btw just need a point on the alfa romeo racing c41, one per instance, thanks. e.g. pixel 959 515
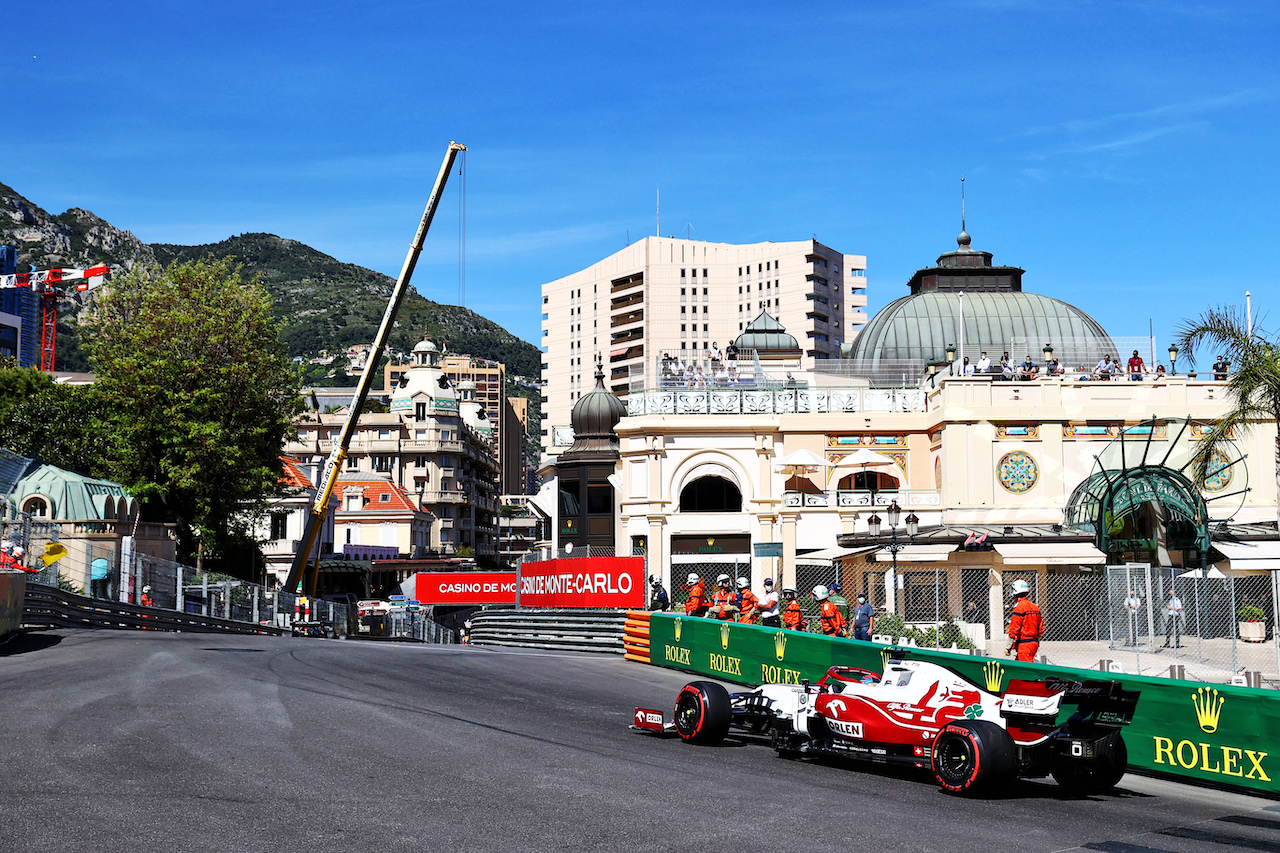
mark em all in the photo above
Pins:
pixel 925 715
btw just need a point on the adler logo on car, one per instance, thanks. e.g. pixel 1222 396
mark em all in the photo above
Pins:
pixel 1019 704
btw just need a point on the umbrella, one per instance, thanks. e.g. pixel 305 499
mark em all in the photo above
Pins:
pixel 862 459
pixel 1198 573
pixel 801 461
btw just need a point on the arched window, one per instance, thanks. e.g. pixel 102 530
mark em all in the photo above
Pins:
pixel 710 494
pixel 36 507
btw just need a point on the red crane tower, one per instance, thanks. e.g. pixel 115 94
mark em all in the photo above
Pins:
pixel 48 284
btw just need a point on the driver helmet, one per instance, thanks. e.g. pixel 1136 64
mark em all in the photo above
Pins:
pixel 693 578
pixel 1019 587
pixel 789 591
pixel 743 583
pixel 724 580
pixel 821 593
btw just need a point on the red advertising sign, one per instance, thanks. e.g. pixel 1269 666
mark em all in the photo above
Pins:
pixel 466 587
pixel 583 582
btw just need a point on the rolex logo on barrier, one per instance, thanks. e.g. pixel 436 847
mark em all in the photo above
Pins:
pixel 724 635
pixel 678 627
pixel 993 672
pixel 780 644
pixel 1208 705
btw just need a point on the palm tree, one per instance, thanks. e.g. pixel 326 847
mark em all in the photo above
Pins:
pixel 1254 386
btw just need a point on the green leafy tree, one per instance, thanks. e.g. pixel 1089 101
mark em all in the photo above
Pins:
pixel 1253 386
pixel 64 425
pixel 200 394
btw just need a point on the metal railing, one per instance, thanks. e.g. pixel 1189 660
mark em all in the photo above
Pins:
pixel 773 401
pixel 50 607
pixel 564 630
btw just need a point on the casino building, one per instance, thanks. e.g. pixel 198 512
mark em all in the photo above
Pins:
pixel 1045 479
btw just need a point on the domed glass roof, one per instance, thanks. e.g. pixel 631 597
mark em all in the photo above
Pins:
pixel 998 316
pixel 919 327
pixel 765 334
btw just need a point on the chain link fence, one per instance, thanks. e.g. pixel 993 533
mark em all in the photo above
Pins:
pixel 1136 618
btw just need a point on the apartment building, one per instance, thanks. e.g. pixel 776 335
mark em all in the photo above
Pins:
pixel 508 417
pixel 663 295
pixel 435 445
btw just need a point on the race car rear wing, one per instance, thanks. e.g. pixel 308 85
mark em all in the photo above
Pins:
pixel 1104 702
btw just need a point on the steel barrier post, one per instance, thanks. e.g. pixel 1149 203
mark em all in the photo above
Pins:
pixel 204 592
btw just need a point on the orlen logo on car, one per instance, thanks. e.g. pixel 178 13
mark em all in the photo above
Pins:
pixel 845 728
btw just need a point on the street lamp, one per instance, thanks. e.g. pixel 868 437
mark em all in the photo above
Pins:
pixel 933 374
pixel 1048 353
pixel 873 525
pixel 1173 359
pixel 951 353
pixel 895 512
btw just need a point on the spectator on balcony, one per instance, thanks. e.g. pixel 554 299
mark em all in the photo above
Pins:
pixel 984 364
pixel 1006 369
pixel 1160 374
pixel 1028 370
pixel 1137 368
pixel 966 369
pixel 1104 369
pixel 1054 368
pixel 714 355
pixel 1221 367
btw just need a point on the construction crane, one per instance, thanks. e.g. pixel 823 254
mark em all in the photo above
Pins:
pixel 334 464
pixel 48 285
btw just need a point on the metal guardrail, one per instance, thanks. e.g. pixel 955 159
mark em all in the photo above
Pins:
pixel 564 630
pixel 50 607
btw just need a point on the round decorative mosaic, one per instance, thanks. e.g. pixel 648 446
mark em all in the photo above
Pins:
pixel 1017 472
pixel 1220 474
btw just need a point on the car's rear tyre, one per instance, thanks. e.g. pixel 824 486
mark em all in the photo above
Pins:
pixel 970 756
pixel 703 712
pixel 1098 774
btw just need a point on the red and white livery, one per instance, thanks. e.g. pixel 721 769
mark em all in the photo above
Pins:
pixel 926 715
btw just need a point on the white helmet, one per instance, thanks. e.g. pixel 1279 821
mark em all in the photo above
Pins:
pixel 147 588
pixel 693 578
pixel 6 546
pixel 1019 587
pixel 19 551
pixel 821 593
pixel 723 579
pixel 788 590
pixel 743 583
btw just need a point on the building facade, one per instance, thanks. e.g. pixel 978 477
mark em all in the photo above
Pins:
pixel 685 299
pixel 436 444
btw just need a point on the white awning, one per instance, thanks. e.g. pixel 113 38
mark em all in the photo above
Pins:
pixel 826 555
pixel 1251 555
pixel 934 552
pixel 1050 554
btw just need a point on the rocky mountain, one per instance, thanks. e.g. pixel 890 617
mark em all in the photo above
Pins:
pixel 326 304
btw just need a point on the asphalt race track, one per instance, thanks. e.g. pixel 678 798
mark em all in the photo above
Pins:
pixel 138 741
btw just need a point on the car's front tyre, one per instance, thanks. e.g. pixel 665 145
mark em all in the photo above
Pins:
pixel 703 712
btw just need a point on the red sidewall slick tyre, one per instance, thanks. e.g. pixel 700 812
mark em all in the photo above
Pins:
pixel 703 712
pixel 972 755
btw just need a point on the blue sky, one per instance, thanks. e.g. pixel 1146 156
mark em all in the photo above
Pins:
pixel 1124 154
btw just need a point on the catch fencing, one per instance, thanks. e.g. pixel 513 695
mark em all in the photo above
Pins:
pixel 410 625
pixel 100 572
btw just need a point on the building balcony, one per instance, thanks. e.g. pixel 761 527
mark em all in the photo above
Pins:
pixel 444 498
pixel 749 399
pixel 627 319
pixel 381 445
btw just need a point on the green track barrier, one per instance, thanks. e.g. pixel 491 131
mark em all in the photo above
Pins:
pixel 1218 734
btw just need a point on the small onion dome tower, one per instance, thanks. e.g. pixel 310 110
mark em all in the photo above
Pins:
pixel 594 417
pixel 586 499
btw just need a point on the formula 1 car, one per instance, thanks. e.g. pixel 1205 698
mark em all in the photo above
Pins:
pixel 924 715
